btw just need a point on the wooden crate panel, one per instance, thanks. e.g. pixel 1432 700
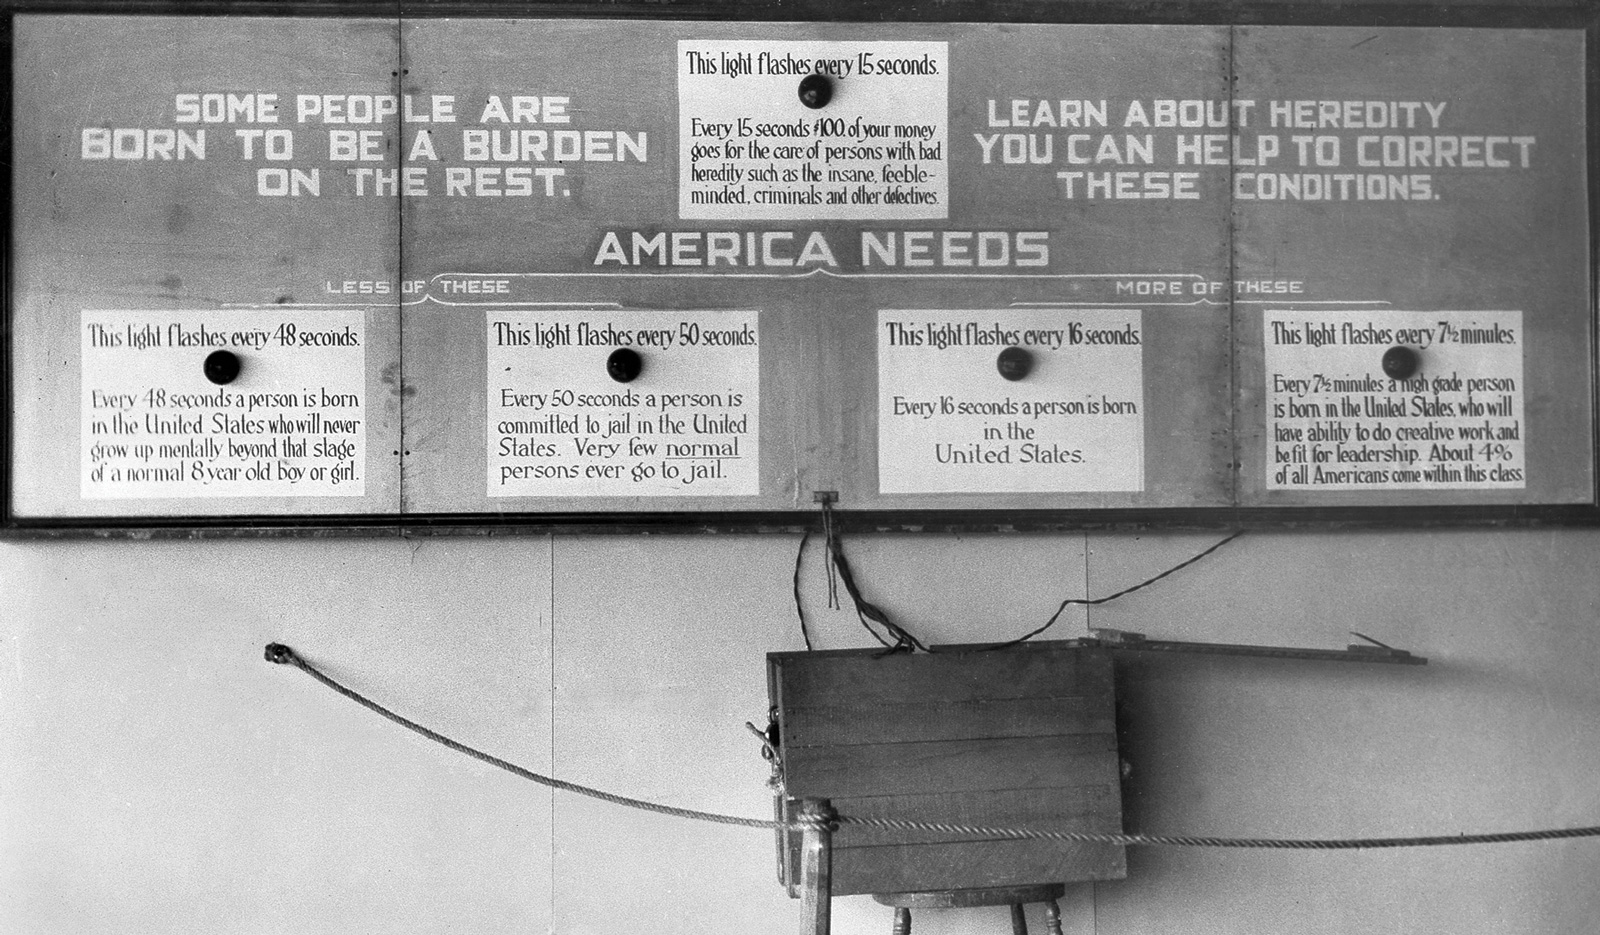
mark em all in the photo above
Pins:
pixel 1088 807
pixel 882 722
pixel 999 763
pixel 1023 737
pixel 869 678
pixel 922 868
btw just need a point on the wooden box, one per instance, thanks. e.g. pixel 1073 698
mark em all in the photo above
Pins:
pixel 1021 737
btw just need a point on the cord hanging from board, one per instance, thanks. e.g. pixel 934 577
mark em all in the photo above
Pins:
pixel 903 640
pixel 800 553
pixel 1097 601
pixel 838 569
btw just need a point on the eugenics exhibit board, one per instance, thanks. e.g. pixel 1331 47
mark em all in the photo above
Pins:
pixel 421 267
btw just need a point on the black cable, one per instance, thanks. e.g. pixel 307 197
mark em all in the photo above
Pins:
pixel 902 639
pixel 865 609
pixel 1096 601
pixel 800 611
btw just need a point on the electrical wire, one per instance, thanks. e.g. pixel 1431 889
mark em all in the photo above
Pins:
pixel 799 610
pixel 1097 601
pixel 903 640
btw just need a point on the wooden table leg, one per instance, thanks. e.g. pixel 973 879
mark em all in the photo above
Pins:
pixel 816 866
pixel 902 921
pixel 1052 917
pixel 1019 920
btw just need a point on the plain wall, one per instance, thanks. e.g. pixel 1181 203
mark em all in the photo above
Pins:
pixel 158 776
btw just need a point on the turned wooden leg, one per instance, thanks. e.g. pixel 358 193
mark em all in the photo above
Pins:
pixel 902 921
pixel 1052 917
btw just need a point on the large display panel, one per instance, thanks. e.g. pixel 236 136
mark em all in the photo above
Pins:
pixel 166 207
pixel 461 270
pixel 819 296
pixel 1430 214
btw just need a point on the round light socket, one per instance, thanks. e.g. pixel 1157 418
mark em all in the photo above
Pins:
pixel 1014 363
pixel 1401 362
pixel 222 367
pixel 816 91
pixel 624 365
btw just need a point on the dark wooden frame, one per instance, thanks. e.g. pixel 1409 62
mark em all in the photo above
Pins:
pixel 1554 14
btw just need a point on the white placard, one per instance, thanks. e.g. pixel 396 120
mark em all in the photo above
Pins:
pixel 749 149
pixel 948 422
pixel 1336 421
pixel 291 424
pixel 559 425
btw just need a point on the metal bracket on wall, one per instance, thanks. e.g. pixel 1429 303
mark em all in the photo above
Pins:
pixel 1129 641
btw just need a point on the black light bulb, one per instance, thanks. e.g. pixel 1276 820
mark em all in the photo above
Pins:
pixel 816 91
pixel 1401 362
pixel 222 367
pixel 624 365
pixel 1014 363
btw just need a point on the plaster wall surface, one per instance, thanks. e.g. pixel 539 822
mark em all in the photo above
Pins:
pixel 157 776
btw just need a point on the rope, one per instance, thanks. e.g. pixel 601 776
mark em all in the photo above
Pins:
pixel 1167 840
pixel 283 655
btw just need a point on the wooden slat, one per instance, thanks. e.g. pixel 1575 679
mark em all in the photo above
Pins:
pixel 786 866
pixel 867 677
pixel 952 766
pixel 1095 808
pixel 925 867
pixel 882 722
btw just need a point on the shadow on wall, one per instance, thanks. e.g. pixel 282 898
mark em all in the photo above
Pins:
pixel 1237 746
